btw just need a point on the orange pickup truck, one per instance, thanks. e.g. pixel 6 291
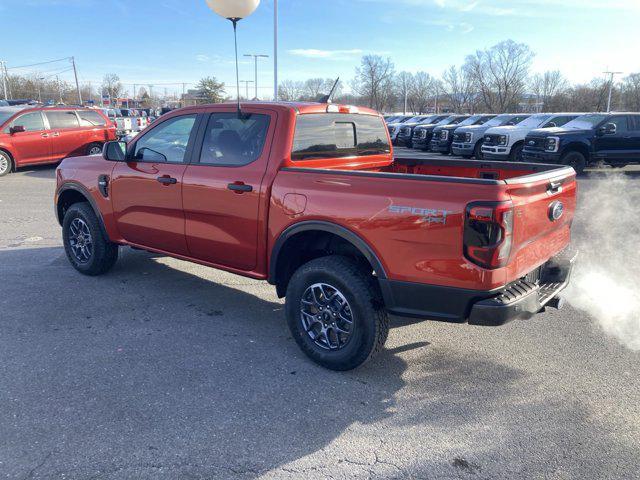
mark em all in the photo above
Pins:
pixel 309 197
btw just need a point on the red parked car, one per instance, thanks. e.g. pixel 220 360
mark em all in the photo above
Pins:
pixel 310 198
pixel 40 135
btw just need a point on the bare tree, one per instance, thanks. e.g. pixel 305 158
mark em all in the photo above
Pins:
pixel 499 74
pixel 459 89
pixel 111 85
pixel 403 84
pixel 314 88
pixel 374 81
pixel 550 89
pixel 290 90
pixel 421 92
pixel 631 92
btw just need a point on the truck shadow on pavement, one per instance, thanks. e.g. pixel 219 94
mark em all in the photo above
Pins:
pixel 158 371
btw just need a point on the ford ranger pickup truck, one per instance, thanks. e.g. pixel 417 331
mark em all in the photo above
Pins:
pixel 442 137
pixel 467 140
pixel 610 138
pixel 310 198
pixel 506 143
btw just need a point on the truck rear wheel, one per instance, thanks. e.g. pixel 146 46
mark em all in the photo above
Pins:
pixel 335 313
pixel 575 160
pixel 86 246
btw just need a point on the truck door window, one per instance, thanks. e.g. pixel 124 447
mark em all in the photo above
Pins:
pixel 634 123
pixel 167 142
pixel 620 123
pixel 61 119
pixel 32 122
pixel 233 141
pixel 336 135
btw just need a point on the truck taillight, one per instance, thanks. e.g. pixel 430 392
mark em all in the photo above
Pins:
pixel 488 232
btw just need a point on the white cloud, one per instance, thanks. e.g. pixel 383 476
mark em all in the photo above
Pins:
pixel 203 58
pixel 316 53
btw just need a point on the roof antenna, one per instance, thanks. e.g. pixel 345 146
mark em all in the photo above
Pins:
pixel 327 98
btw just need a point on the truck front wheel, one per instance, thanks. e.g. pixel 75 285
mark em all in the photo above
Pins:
pixel 86 246
pixel 335 313
pixel 575 160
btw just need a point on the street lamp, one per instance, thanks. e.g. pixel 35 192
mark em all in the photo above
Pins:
pixel 234 11
pixel 255 59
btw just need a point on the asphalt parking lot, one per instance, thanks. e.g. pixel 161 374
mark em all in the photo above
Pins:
pixel 164 369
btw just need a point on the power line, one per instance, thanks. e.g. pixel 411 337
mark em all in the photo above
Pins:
pixel 40 63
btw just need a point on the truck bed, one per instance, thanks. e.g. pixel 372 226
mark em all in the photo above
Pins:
pixel 412 213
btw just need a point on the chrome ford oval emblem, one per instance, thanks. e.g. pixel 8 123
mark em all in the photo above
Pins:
pixel 556 209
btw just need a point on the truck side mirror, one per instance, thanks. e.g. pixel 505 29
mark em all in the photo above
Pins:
pixel 115 151
pixel 608 129
pixel 17 129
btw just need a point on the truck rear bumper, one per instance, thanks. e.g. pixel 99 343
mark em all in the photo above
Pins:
pixel 520 300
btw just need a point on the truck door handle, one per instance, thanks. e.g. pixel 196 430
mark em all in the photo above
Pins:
pixel 56 134
pixel 167 180
pixel 239 187
pixel 44 135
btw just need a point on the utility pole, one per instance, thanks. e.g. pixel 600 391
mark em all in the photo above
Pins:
pixel 183 94
pixel 255 59
pixel 134 93
pixel 75 74
pixel 4 79
pixel 611 74
pixel 275 50
pixel 246 86
pixel 59 88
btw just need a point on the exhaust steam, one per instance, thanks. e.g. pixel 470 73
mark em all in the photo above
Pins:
pixel 605 282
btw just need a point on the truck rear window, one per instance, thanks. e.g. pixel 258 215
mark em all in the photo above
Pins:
pixel 336 135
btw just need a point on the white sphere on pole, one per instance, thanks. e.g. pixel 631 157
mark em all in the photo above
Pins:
pixel 236 9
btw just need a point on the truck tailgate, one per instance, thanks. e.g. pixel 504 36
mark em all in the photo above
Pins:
pixel 544 206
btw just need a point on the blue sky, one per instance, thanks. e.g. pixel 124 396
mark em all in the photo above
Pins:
pixel 165 41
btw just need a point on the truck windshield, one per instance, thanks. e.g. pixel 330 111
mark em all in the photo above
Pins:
pixel 470 121
pixel 534 121
pixel 585 122
pixel 426 121
pixel 445 121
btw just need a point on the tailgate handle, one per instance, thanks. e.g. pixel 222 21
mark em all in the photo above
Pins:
pixel 554 187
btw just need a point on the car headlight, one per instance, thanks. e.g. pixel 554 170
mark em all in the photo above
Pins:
pixel 468 137
pixel 444 134
pixel 552 144
pixel 503 140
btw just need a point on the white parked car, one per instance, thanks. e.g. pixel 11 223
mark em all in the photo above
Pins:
pixel 506 143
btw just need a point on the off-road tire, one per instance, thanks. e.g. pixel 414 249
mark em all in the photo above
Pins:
pixel 575 160
pixel 359 287
pixel 104 253
pixel 6 163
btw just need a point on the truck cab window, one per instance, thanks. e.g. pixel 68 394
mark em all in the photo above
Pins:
pixel 167 142
pixel 338 135
pixel 233 141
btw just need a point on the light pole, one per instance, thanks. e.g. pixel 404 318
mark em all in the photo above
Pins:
pixel 40 88
pixel 246 87
pixel 275 50
pixel 611 74
pixel 255 59
pixel 234 11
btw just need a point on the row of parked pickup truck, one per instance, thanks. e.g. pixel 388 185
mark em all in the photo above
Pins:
pixel 574 139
